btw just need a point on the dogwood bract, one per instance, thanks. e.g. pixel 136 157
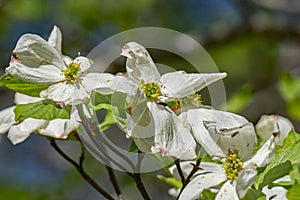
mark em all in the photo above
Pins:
pixel 37 61
pixel 218 131
pixel 268 124
pixel 236 174
pixel 152 123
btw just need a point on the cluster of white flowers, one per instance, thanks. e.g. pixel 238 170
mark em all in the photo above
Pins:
pixel 164 114
pixel 37 61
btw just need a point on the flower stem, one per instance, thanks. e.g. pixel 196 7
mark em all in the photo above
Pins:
pixel 80 169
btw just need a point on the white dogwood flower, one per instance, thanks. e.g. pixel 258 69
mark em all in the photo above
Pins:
pixel 269 124
pixel 19 131
pixel 236 174
pixel 151 120
pixel 37 61
pixel 142 70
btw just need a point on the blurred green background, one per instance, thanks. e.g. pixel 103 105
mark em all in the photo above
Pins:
pixel 256 42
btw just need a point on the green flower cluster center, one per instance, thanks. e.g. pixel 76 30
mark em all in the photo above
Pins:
pixel 174 105
pixel 232 165
pixel 151 90
pixel 72 72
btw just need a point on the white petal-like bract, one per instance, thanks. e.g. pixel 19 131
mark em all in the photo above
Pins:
pixel 124 85
pixel 59 128
pixel 24 99
pixel 7 119
pixel 18 133
pixel 139 64
pixel 227 191
pixel 171 137
pixel 200 182
pixel 179 84
pixel 44 74
pixel 32 50
pixel 99 81
pixel 55 38
pixel 218 132
pixel 245 179
pixel 269 124
pixel 66 93
pixel 264 155
pixel 84 62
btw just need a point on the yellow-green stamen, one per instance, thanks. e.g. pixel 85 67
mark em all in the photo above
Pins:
pixel 197 97
pixel 151 90
pixel 232 165
pixel 72 72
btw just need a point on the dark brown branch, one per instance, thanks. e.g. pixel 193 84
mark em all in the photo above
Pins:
pixel 81 159
pixel 80 169
pixel 194 170
pixel 90 125
pixel 187 180
pixel 110 171
pixel 114 181
pixel 177 163
pixel 137 177
pixel 92 128
pixel 140 185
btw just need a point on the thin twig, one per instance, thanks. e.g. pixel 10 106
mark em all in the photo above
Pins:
pixel 140 186
pixel 80 169
pixel 114 181
pixel 110 171
pixel 137 178
pixel 81 159
pixel 90 125
pixel 92 128
pixel 187 180
pixel 177 163
pixel 194 170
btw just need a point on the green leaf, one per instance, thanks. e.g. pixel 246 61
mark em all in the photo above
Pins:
pixel 115 104
pixel 20 86
pixel 295 174
pixel 119 106
pixel 170 181
pixel 253 194
pixel 240 99
pixel 275 173
pixel 289 87
pixel 100 101
pixel 133 146
pixel 108 121
pixel 207 194
pixel 285 158
pixel 293 192
pixel 44 109
pixel 292 139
